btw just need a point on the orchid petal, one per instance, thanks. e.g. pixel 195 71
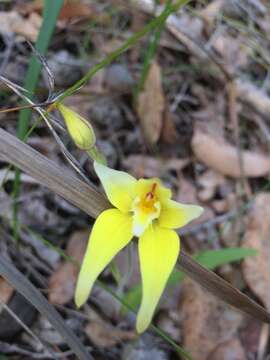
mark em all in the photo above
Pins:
pixel 111 232
pixel 174 215
pixel 143 186
pixel 118 185
pixel 142 219
pixel 158 252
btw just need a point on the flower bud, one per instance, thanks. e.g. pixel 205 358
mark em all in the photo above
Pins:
pixel 79 128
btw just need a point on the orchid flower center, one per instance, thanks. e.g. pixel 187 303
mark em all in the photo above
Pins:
pixel 145 208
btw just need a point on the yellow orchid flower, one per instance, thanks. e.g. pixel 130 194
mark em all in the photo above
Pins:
pixel 142 208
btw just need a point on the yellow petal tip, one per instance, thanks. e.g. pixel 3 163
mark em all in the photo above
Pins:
pixel 140 329
pixel 200 210
pixel 79 301
pixel 143 322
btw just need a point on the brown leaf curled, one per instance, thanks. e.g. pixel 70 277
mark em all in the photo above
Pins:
pixel 219 155
pixel 257 268
pixel 151 105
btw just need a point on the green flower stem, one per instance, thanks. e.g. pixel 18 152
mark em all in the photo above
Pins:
pixel 150 53
pixel 96 155
pixel 161 19
pixel 106 288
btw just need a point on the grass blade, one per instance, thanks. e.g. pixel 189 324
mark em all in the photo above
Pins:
pixel 221 288
pixel 27 289
pixel 152 25
pixel 50 14
pixel 75 191
pixel 210 259
pixel 60 180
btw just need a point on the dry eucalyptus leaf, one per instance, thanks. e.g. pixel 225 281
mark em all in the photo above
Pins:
pixel 254 96
pixel 169 132
pixel 257 268
pixel 104 335
pixel 209 181
pixel 13 23
pixel 222 157
pixel 222 205
pixel 151 105
pixel 207 322
pixel 229 350
pixel 63 280
pixel 232 50
pixel 187 192
pixel 210 12
pixel 6 290
pixel 71 10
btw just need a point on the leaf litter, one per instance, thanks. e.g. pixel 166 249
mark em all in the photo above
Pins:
pixel 149 139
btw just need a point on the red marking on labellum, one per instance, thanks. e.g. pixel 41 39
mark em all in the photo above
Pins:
pixel 150 195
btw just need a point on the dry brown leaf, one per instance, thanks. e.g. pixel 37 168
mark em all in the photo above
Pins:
pixel 69 10
pixel 148 166
pixel 221 206
pixel 103 335
pixel 169 132
pixel 6 20
pixel 187 192
pixel 151 105
pixel 209 182
pixel 250 335
pixel 13 23
pixel 232 50
pixel 62 282
pixel 207 322
pixel 229 350
pixel 254 96
pixel 211 11
pixel 257 268
pixel 6 291
pixel 72 9
pixel 26 8
pixel 219 155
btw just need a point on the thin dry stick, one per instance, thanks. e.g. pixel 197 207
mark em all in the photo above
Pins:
pixel 56 178
pixel 12 348
pixel 33 295
pixel 242 187
pixel 221 288
pixel 65 184
pixel 263 342
pixel 234 119
pixel 44 115
pixel 26 328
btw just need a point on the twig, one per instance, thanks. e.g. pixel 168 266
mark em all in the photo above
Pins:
pixel 233 116
pixel 93 203
pixel 243 188
pixel 263 342
pixel 171 23
pixel 206 225
pixel 25 327
pixel 73 162
pixel 6 348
